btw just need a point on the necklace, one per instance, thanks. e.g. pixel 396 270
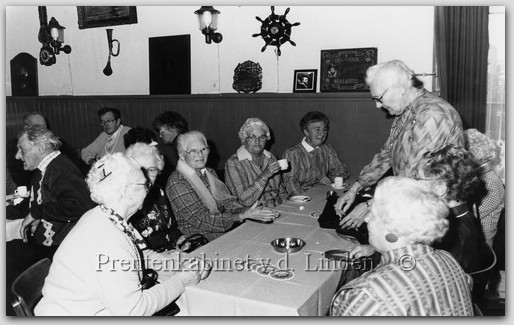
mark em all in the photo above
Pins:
pixel 122 225
pixel 395 132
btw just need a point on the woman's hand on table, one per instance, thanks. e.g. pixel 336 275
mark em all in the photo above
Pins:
pixel 190 273
pixel 356 218
pixel 362 250
pixel 259 213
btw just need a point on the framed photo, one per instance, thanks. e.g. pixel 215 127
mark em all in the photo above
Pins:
pixel 345 69
pixel 98 16
pixel 305 81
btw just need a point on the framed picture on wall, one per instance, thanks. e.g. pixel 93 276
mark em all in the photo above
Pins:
pixel 344 69
pixel 98 16
pixel 305 81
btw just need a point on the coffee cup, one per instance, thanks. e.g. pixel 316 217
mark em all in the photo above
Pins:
pixel 338 182
pixel 283 164
pixel 21 191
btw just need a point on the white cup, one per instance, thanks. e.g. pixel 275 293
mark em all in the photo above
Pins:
pixel 338 182
pixel 21 191
pixel 283 164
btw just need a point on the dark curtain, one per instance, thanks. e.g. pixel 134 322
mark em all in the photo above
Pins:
pixel 461 49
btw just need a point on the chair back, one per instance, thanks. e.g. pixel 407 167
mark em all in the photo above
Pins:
pixel 27 287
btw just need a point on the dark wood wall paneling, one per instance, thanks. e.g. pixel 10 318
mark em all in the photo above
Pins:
pixel 357 128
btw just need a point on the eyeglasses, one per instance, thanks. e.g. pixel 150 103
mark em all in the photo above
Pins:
pixel 196 152
pixel 378 99
pixel 254 138
pixel 104 122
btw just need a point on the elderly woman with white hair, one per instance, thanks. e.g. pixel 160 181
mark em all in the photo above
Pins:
pixel 252 173
pixel 99 269
pixel 201 202
pixel 155 220
pixel 412 278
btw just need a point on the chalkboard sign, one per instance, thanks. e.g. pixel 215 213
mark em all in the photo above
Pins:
pixel 344 70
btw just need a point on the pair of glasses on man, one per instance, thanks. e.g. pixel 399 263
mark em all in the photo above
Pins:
pixel 105 122
pixel 146 184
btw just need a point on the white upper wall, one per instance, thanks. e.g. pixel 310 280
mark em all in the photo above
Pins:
pixel 399 32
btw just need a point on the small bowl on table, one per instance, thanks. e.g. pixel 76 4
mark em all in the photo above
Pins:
pixel 287 244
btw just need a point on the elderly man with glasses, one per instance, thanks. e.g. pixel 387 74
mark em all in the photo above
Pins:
pixel 423 122
pixel 201 202
pixel 110 140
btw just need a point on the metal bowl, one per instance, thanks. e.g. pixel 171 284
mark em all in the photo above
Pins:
pixel 287 244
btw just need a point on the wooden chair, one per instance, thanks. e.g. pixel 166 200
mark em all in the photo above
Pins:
pixel 27 287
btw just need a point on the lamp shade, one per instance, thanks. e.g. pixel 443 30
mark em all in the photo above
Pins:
pixel 207 18
pixel 56 30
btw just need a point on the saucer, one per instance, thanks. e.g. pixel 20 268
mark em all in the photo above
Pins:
pixel 315 214
pixel 281 274
pixel 300 198
pixel 339 188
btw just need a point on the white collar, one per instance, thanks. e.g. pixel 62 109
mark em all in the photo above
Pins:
pixel 47 160
pixel 307 146
pixel 243 154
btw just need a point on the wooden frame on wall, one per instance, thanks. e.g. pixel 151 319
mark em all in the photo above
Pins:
pixel 305 81
pixel 98 16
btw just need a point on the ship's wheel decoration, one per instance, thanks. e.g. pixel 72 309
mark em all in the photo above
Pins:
pixel 275 30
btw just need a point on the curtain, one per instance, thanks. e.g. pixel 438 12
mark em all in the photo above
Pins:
pixel 461 49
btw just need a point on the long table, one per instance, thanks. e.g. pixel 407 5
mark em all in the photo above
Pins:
pixel 234 289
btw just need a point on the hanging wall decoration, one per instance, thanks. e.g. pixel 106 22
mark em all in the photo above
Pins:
pixel 247 77
pixel 275 30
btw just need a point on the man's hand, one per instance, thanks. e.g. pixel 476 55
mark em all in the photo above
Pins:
pixel 362 250
pixel 356 218
pixel 345 201
pixel 26 223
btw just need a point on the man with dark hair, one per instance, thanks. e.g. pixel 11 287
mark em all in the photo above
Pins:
pixel 169 125
pixel 58 198
pixel 312 161
pixel 110 140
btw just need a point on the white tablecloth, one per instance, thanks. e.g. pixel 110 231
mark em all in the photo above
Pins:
pixel 232 290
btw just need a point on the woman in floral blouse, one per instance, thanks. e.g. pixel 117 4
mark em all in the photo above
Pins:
pixel 155 220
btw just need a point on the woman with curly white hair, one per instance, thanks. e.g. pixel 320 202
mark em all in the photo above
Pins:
pixel 252 174
pixel 99 269
pixel 412 278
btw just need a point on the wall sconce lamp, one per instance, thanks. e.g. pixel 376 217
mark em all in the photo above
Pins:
pixel 51 35
pixel 208 21
pixel 57 33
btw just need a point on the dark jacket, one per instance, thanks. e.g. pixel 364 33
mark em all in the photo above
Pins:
pixel 64 199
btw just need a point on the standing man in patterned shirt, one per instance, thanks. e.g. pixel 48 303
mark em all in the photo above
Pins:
pixel 312 161
pixel 423 122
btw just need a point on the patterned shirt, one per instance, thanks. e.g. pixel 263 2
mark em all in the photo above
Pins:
pixel 429 123
pixel 436 286
pixel 491 205
pixel 193 217
pixel 309 165
pixel 242 176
